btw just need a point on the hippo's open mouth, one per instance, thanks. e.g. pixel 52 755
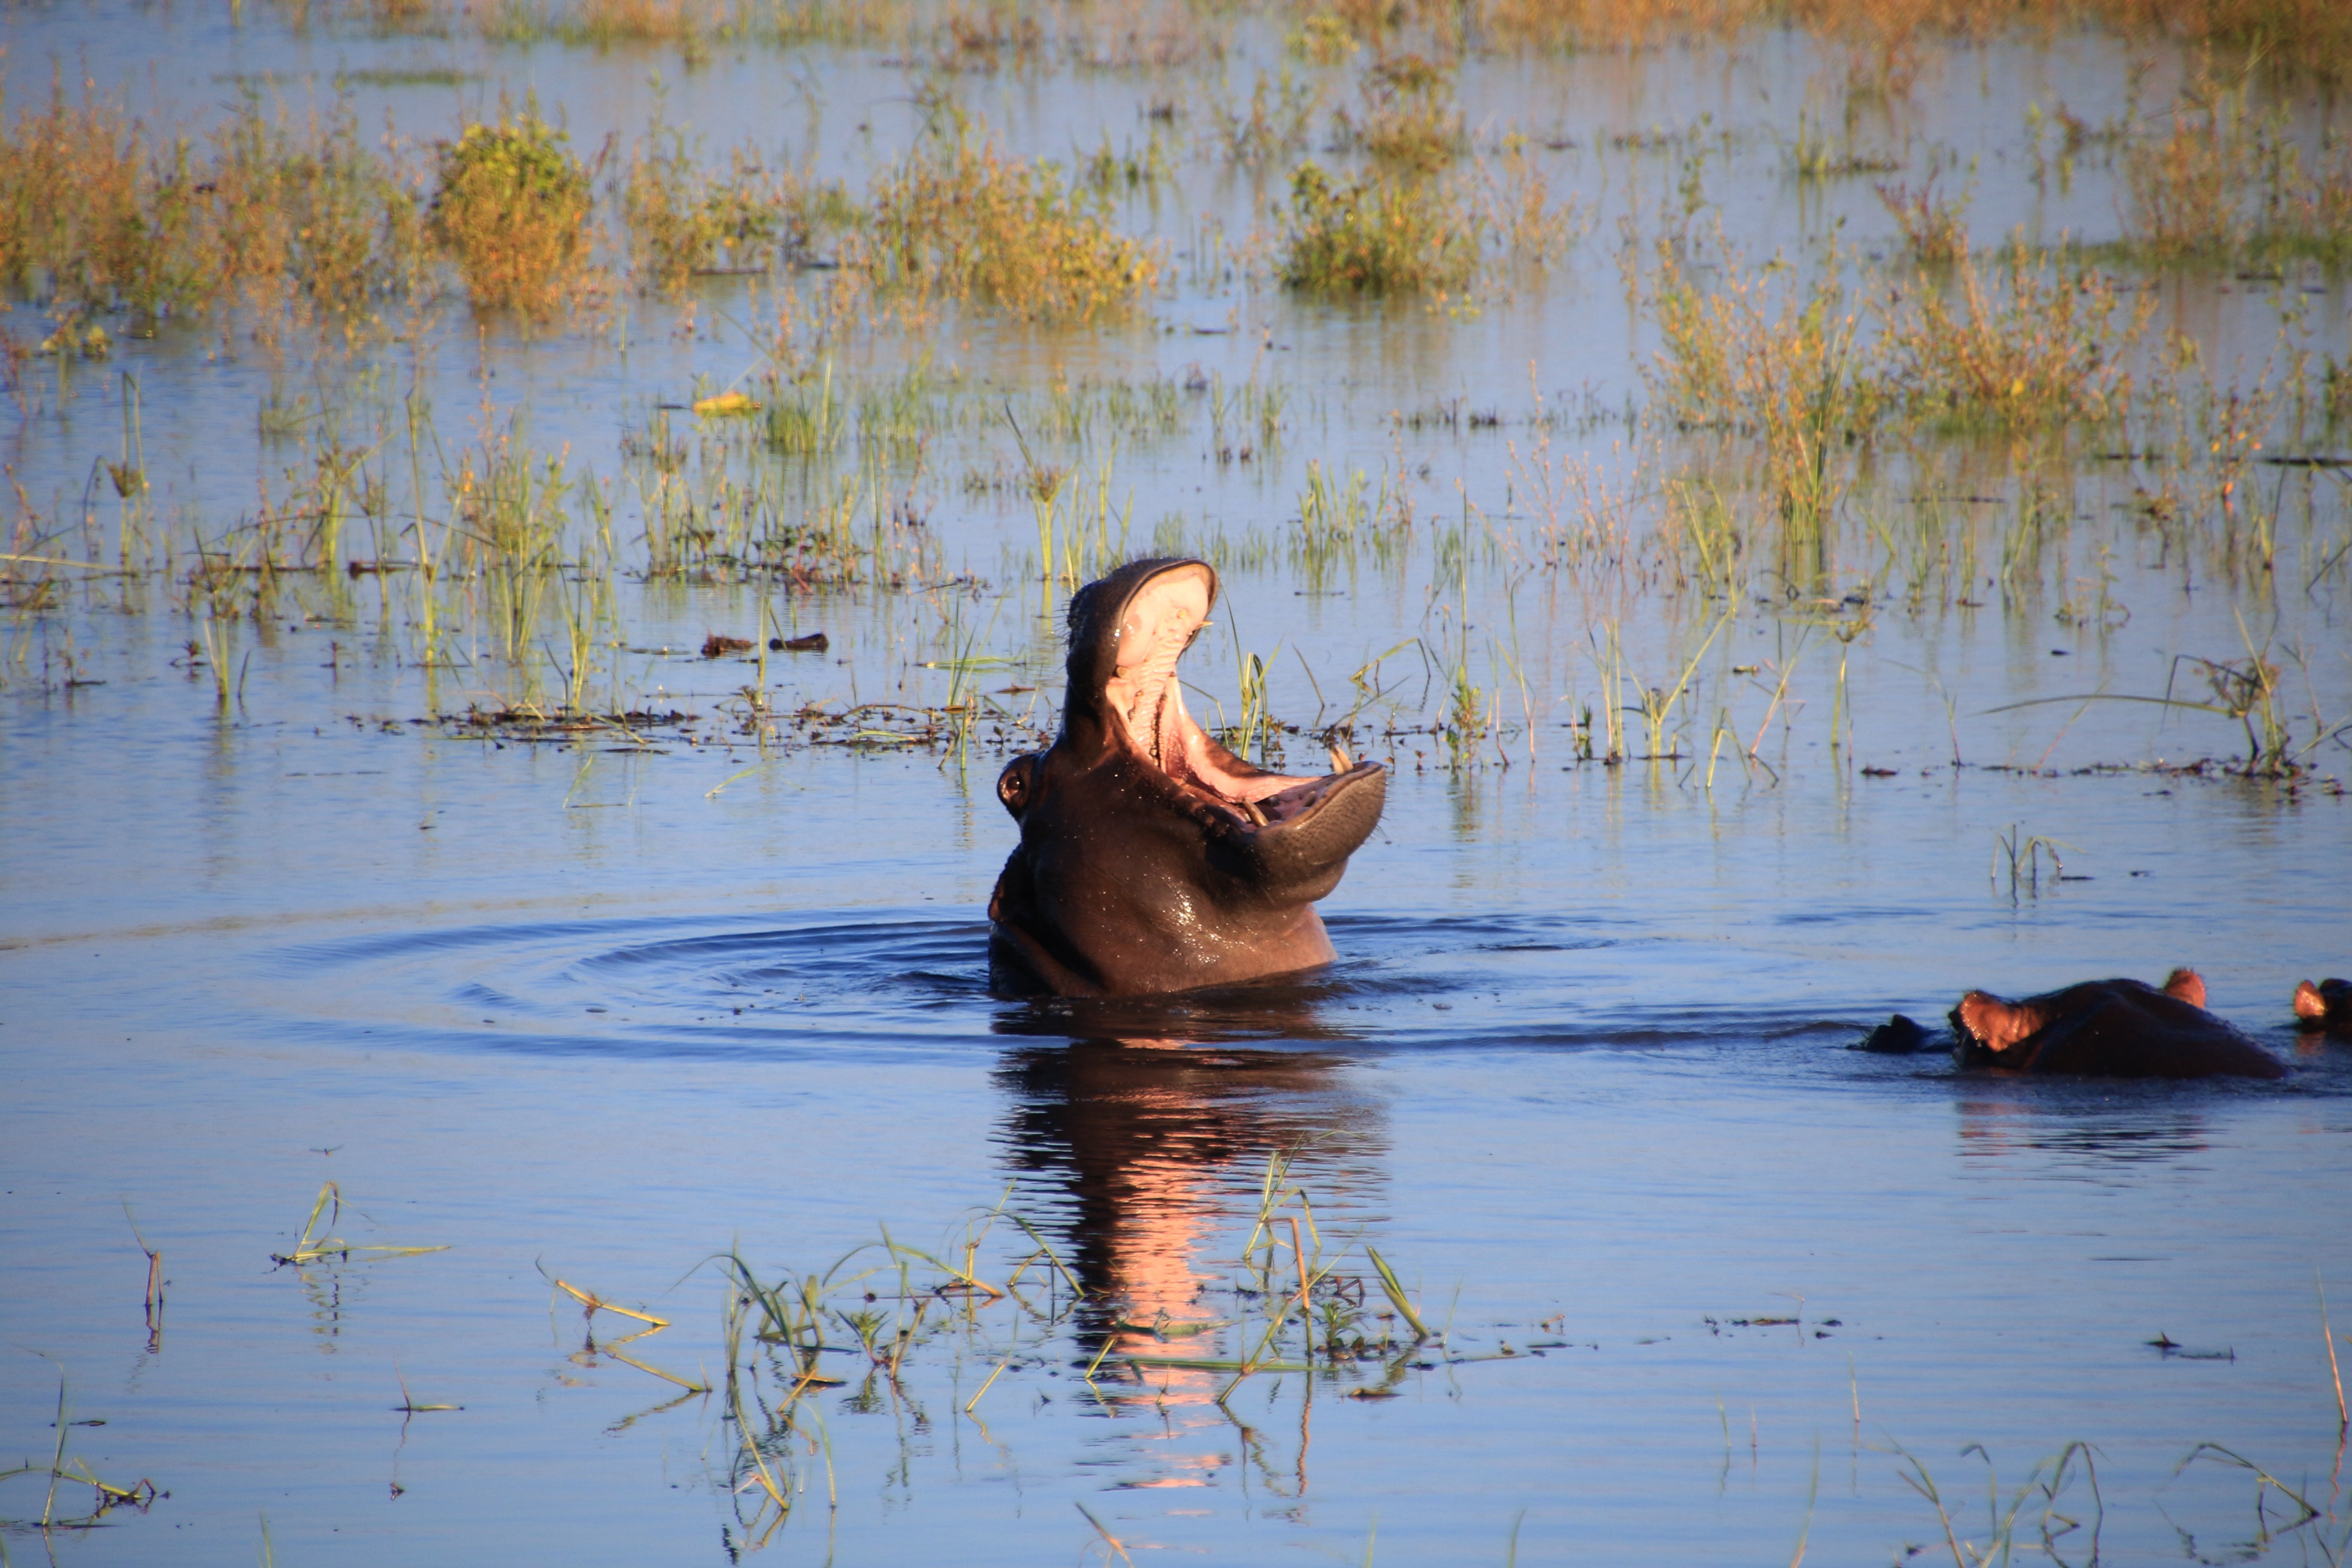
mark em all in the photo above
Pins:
pixel 1159 623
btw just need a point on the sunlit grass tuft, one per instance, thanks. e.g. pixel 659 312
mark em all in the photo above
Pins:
pixel 2021 342
pixel 98 213
pixel 961 220
pixel 1376 235
pixel 511 206
pixel 2230 185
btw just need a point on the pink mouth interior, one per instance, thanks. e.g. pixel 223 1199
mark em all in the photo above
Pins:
pixel 1158 626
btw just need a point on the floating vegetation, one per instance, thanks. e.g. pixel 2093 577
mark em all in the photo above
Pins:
pixel 64 1470
pixel 317 1246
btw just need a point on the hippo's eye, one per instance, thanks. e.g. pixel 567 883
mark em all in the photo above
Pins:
pixel 1013 785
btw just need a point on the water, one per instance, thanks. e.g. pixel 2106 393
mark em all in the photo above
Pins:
pixel 600 1009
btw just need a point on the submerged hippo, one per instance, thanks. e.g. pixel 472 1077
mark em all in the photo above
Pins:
pixel 2327 1005
pixel 2108 1028
pixel 1151 859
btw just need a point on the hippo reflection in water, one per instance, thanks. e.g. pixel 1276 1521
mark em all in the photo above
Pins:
pixel 1151 859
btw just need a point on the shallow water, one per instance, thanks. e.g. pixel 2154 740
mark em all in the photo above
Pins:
pixel 1583 1072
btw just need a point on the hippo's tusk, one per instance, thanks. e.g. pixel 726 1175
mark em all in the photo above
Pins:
pixel 1340 761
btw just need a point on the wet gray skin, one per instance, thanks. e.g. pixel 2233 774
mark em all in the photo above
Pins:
pixel 1151 859
pixel 2109 1028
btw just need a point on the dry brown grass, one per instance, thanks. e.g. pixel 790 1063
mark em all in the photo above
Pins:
pixel 1883 40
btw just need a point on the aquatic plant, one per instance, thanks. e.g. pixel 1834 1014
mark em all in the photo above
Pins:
pixel 511 205
pixel 2230 185
pixel 62 1469
pixel 1407 123
pixel 682 220
pixel 1278 119
pixel 1934 228
pixel 1768 356
pixel 96 214
pixel 2024 342
pixel 959 220
pixel 1375 236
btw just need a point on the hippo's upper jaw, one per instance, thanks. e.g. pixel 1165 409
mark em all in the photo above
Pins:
pixel 1152 859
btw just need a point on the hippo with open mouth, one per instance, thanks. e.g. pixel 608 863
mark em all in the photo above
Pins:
pixel 1151 859
pixel 2109 1028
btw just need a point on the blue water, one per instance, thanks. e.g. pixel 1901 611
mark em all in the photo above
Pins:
pixel 601 1009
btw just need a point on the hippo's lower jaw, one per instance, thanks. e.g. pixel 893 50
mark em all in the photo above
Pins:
pixel 2108 1028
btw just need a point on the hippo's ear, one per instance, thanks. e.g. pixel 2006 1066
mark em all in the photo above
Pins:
pixel 2308 1002
pixel 2186 985
pixel 1016 786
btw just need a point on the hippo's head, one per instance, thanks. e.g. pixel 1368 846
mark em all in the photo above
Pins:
pixel 1152 859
